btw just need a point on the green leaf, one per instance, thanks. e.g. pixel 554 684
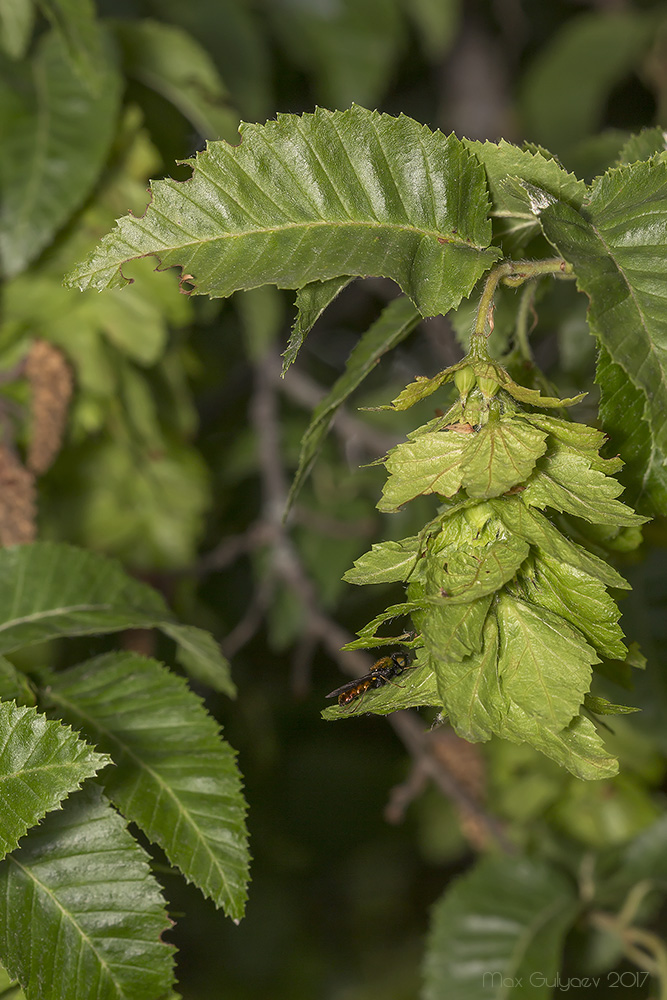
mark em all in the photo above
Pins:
pixel 17 19
pixel 500 455
pixel 181 788
pixel 499 931
pixel 470 690
pixel 620 261
pixel 395 200
pixel 431 463
pixel 387 562
pixel 544 665
pixel 398 319
pixel 545 537
pixel 41 762
pixel 465 560
pixel 368 634
pixel 452 631
pixel 413 689
pixel 600 706
pixel 621 414
pixel 578 747
pixel 76 23
pixel 578 598
pixel 348 49
pixel 172 63
pixel 565 90
pixel 644 145
pixel 59 132
pixel 14 685
pixel 509 205
pixel 80 913
pixel 199 655
pixel 311 301
pixel 48 591
pixel 565 481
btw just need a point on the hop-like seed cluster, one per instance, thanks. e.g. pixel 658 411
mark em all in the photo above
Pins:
pixel 512 615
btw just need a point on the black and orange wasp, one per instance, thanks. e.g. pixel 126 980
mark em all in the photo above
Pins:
pixel 382 672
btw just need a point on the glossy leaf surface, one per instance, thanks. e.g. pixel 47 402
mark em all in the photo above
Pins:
pixel 80 912
pixel 309 198
pixel 182 788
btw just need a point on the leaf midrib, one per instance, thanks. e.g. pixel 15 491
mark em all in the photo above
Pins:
pixel 183 814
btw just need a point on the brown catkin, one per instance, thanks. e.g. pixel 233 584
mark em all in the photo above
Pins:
pixel 18 509
pixel 50 380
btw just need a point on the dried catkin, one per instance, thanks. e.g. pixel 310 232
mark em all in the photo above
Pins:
pixel 50 380
pixel 18 509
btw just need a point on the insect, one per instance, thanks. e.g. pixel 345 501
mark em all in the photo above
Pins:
pixel 382 672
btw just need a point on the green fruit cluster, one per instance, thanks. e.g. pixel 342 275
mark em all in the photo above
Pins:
pixel 511 615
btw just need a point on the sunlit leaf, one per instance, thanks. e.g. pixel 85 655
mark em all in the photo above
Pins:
pixel 500 455
pixel 309 198
pixel 530 524
pixel 41 763
pixel 387 562
pixel 431 463
pixel 578 598
pixel 565 481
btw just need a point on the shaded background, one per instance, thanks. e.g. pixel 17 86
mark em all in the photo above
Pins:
pixel 350 848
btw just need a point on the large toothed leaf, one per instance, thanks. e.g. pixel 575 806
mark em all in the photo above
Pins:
pixel 56 135
pixel 617 247
pixel 502 161
pixel 452 631
pixel 181 787
pixel 544 664
pixel 49 591
pixel 398 319
pixel 621 413
pixel 503 922
pixel 41 762
pixel 314 197
pixel 80 912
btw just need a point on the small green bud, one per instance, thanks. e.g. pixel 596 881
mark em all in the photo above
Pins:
pixel 464 380
pixel 488 386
